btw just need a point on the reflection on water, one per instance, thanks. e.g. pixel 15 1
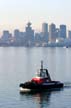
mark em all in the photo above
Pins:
pixel 41 98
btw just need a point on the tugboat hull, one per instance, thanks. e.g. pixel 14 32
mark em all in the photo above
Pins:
pixel 31 86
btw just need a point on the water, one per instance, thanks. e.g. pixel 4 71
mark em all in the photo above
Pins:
pixel 20 64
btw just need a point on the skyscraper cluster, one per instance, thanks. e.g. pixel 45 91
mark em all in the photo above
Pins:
pixel 49 36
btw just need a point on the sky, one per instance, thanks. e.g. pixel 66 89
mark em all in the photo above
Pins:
pixel 14 14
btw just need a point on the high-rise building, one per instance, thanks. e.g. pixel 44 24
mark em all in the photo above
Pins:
pixel 6 35
pixel 52 32
pixel 63 31
pixel 69 34
pixel 45 32
pixel 57 33
pixel 16 33
pixel 29 34
pixel 16 36
pixel 45 28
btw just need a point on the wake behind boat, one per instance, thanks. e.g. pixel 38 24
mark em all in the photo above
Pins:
pixel 41 82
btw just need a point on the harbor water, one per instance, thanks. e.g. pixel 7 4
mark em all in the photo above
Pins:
pixel 20 64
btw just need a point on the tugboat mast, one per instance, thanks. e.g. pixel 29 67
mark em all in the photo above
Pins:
pixel 42 64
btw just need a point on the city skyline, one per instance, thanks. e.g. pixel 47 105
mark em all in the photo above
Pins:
pixel 16 13
pixel 52 37
pixel 45 26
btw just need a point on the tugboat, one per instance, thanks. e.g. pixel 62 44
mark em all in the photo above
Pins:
pixel 41 82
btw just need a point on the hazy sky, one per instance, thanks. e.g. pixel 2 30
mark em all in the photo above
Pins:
pixel 16 13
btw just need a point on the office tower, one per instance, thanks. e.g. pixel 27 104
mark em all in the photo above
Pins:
pixel 69 34
pixel 63 31
pixel 57 33
pixel 45 28
pixel 6 36
pixel 45 32
pixel 38 39
pixel 17 37
pixel 52 32
pixel 16 33
pixel 29 35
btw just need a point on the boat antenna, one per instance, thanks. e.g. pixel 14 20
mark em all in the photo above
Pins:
pixel 42 64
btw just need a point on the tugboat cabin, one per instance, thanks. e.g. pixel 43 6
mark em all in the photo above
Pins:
pixel 42 75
